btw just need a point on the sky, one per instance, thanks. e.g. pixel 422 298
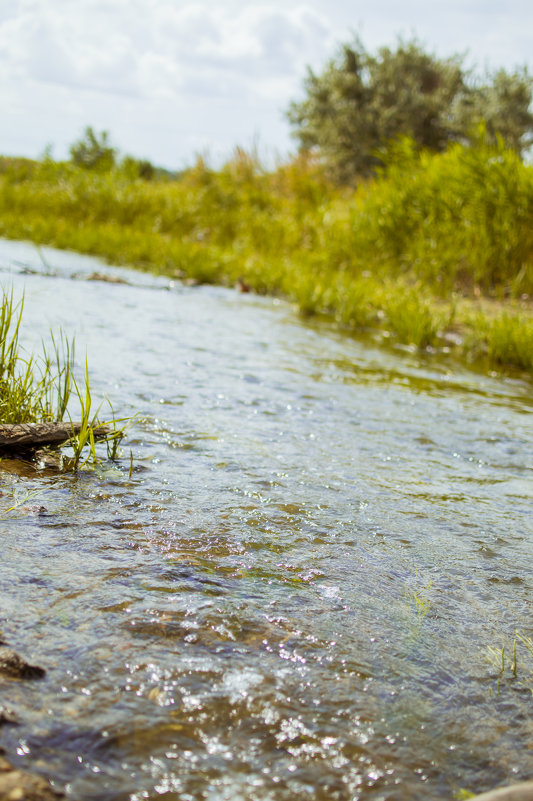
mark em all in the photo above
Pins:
pixel 173 79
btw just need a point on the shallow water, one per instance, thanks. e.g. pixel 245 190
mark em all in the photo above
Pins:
pixel 294 593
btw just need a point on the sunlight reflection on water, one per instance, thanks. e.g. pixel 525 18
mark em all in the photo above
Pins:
pixel 294 593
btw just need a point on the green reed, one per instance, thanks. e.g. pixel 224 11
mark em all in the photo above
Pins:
pixel 42 389
pixel 31 389
pixel 513 662
pixel 395 253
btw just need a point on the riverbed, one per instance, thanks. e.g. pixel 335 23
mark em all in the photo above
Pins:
pixel 297 579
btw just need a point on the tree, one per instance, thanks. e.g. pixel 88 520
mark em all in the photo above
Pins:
pixel 504 106
pixel 361 102
pixel 93 151
pixel 138 168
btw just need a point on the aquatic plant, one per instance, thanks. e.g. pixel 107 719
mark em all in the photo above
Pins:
pixel 85 436
pixel 30 390
pixel 41 390
pixel 19 498
pixel 507 666
pixel 416 594
pixel 437 250
pixel 525 640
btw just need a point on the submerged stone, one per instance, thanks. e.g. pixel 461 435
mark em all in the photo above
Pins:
pixel 12 665
pixel 17 785
pixel 7 716
pixel 515 792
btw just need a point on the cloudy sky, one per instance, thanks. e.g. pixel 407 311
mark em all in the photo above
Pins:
pixel 170 78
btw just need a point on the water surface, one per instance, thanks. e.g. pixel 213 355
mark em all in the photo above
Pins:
pixel 294 592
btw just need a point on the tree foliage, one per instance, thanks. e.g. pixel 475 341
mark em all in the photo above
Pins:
pixel 360 102
pixel 138 168
pixel 93 151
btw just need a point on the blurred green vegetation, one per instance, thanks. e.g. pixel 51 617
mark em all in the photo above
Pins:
pixel 362 100
pixel 93 151
pixel 435 251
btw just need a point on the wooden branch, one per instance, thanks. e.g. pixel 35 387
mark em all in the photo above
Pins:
pixel 24 436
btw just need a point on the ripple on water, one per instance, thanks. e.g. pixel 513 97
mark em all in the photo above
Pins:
pixel 304 586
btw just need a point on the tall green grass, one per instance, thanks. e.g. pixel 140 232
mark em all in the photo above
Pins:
pixel 457 220
pixel 42 389
pixel 31 390
pixel 394 253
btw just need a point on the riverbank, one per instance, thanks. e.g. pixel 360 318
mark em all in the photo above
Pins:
pixel 436 253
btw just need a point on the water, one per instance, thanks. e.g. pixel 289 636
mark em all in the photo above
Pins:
pixel 294 593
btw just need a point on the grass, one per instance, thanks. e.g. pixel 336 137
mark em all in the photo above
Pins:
pixel 515 661
pixel 437 250
pixel 41 390
pixel 30 390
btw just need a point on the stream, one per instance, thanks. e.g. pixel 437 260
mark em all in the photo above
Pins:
pixel 298 588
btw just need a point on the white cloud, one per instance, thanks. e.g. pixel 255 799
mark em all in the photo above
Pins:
pixel 161 75
pixel 222 53
pixel 122 46
pixel 216 73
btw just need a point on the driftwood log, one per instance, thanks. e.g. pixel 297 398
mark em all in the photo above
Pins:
pixel 28 436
